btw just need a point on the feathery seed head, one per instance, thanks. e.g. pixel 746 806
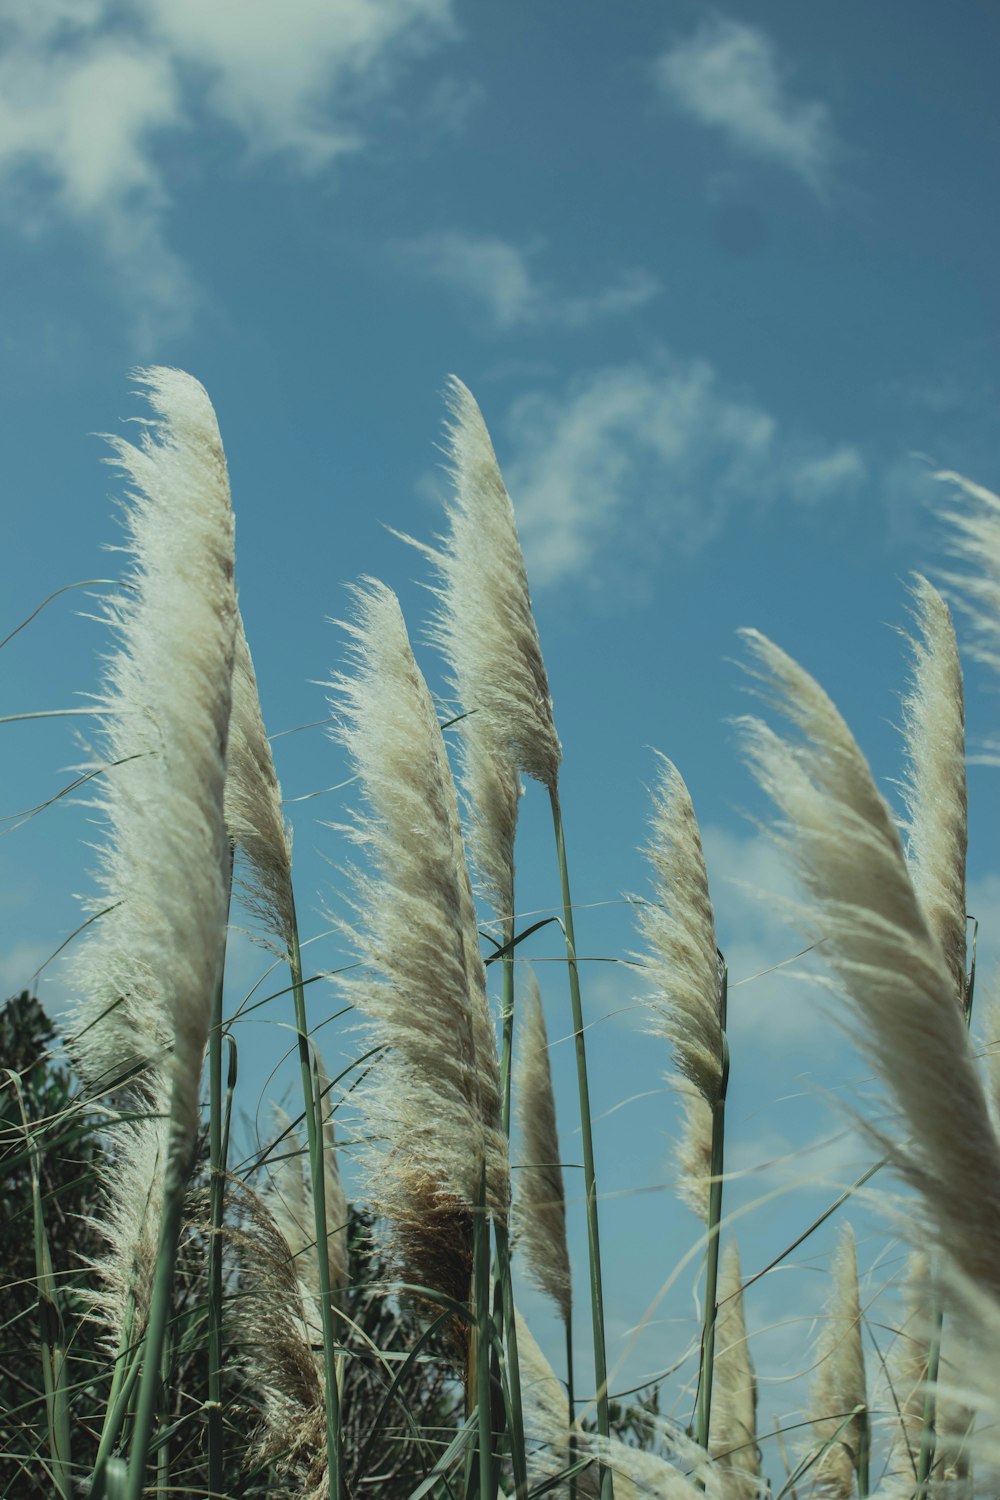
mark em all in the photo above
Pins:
pixel 434 1099
pixel 935 790
pixel 484 623
pixel 679 927
pixel 254 819
pixel 541 1198
pixel 860 901
pixel 839 1385
pixel 147 972
pixel 976 541
pixel 683 965
pixel 733 1438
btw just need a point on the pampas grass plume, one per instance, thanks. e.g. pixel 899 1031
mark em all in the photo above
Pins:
pixel 147 971
pixel 935 792
pixel 540 1203
pixel 839 1385
pixel 843 841
pixel 434 1096
pixel 733 1438
pixel 682 963
pixel 254 819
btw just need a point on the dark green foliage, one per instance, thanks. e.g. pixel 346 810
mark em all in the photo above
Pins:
pixel 40 1097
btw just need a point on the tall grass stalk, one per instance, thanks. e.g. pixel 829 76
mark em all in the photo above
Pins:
pixel 217 1206
pixel 313 1110
pixel 587 1136
pixel 703 1420
pixel 52 1338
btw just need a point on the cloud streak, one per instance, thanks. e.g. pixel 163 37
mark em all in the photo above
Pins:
pixel 652 450
pixel 727 76
pixel 498 277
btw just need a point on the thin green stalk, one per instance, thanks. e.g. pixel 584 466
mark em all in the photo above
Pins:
pixel 572 1404
pixel 706 1374
pixel 864 1453
pixel 51 1336
pixel 508 1327
pixel 217 1191
pixel 178 1171
pixel 928 1426
pixel 507 1015
pixel 586 1131
pixel 122 1385
pixel 163 1442
pixel 313 1109
pixel 481 1279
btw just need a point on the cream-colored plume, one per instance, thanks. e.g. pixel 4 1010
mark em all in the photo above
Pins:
pixel 433 1100
pixel 254 820
pixel 839 1385
pixel 275 1331
pixel 907 1370
pixel 888 964
pixel 976 541
pixel 682 963
pixel 540 1201
pixel 937 826
pixel 146 972
pixel 486 629
pixel 733 1437
pixel 686 1474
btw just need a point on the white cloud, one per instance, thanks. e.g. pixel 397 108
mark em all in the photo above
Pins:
pixel 89 90
pixel 499 276
pixel 727 76
pixel 660 449
pixel 817 479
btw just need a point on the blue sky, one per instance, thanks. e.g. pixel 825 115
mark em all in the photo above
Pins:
pixel 722 281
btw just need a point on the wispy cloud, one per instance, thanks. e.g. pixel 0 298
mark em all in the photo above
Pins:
pixel 659 449
pixel 89 91
pixel 498 276
pixel 728 76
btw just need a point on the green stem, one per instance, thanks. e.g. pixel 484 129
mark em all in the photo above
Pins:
pixel 572 1402
pixel 178 1171
pixel 122 1385
pixel 507 1014
pixel 217 1155
pixel 481 1275
pixel 52 1341
pixel 518 1456
pixel 707 1372
pixel 864 1454
pixel 217 1210
pixel 163 1445
pixel 313 1109
pixel 586 1131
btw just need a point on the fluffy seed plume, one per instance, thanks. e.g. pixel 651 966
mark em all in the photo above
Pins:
pixel 254 819
pixel 682 962
pixel 685 1474
pixel 486 629
pixel 541 1199
pixel 907 1369
pixel 888 964
pixel 976 541
pixel 839 1385
pixel 274 1328
pixel 935 791
pixel 433 1103
pixel 147 971
pixel 733 1438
